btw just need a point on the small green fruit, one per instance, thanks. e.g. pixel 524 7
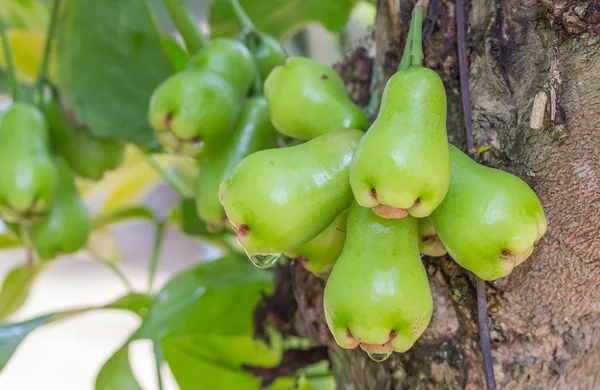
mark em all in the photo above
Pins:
pixel 320 254
pixel 86 154
pixel 308 99
pixel 489 220
pixel 402 165
pixel 66 227
pixel 253 132
pixel 279 199
pixel 28 180
pixel 378 295
pixel 429 242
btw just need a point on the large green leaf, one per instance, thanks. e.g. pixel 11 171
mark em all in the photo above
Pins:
pixel 116 373
pixel 16 286
pixel 214 298
pixel 111 57
pixel 281 18
pixel 193 371
pixel 12 334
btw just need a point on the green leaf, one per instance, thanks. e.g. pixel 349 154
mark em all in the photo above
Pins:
pixel 16 286
pixel 116 373
pixel 189 221
pixel 231 351
pixel 12 334
pixel 123 214
pixel 177 54
pixel 281 18
pixel 111 57
pixel 192 371
pixel 213 298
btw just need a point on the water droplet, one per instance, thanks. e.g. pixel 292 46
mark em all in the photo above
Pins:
pixel 379 357
pixel 264 261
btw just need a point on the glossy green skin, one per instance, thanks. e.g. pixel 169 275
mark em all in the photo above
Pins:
pixel 286 196
pixel 308 99
pixel 429 242
pixel 229 59
pixel 378 285
pixel 253 132
pixel 320 254
pixel 28 180
pixel 196 106
pixel 90 157
pixel 268 55
pixel 195 110
pixel 486 212
pixel 66 227
pixel 404 155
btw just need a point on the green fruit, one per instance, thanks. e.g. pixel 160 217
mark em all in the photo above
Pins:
pixel 268 54
pixel 229 59
pixel 320 254
pixel 87 155
pixel 429 242
pixel 378 295
pixel 253 132
pixel 402 165
pixel 279 199
pixel 66 227
pixel 194 111
pixel 28 179
pixel 308 99
pixel 489 220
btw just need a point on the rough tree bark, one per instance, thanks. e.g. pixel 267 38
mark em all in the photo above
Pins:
pixel 545 316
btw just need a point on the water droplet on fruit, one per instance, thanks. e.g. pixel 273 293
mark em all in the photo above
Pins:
pixel 379 357
pixel 264 261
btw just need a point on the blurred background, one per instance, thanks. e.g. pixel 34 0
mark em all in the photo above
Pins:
pixel 67 355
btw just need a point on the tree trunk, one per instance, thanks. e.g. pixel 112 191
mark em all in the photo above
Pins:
pixel 545 316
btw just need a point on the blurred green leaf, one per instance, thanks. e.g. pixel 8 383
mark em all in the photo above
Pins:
pixel 281 18
pixel 29 14
pixel 116 373
pixel 231 351
pixel 213 298
pixel 16 286
pixel 177 54
pixel 111 58
pixel 187 216
pixel 12 334
pixel 126 213
pixel 193 371
pixel 284 383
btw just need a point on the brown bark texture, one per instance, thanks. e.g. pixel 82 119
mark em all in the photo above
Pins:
pixel 545 316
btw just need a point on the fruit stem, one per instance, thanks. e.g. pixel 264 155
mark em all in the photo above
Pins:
pixel 405 61
pixel 484 334
pixel 251 43
pixel 175 182
pixel 417 38
pixel 241 15
pixel 43 73
pixel 187 26
pixel 159 235
pixel 12 72
pixel 464 72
